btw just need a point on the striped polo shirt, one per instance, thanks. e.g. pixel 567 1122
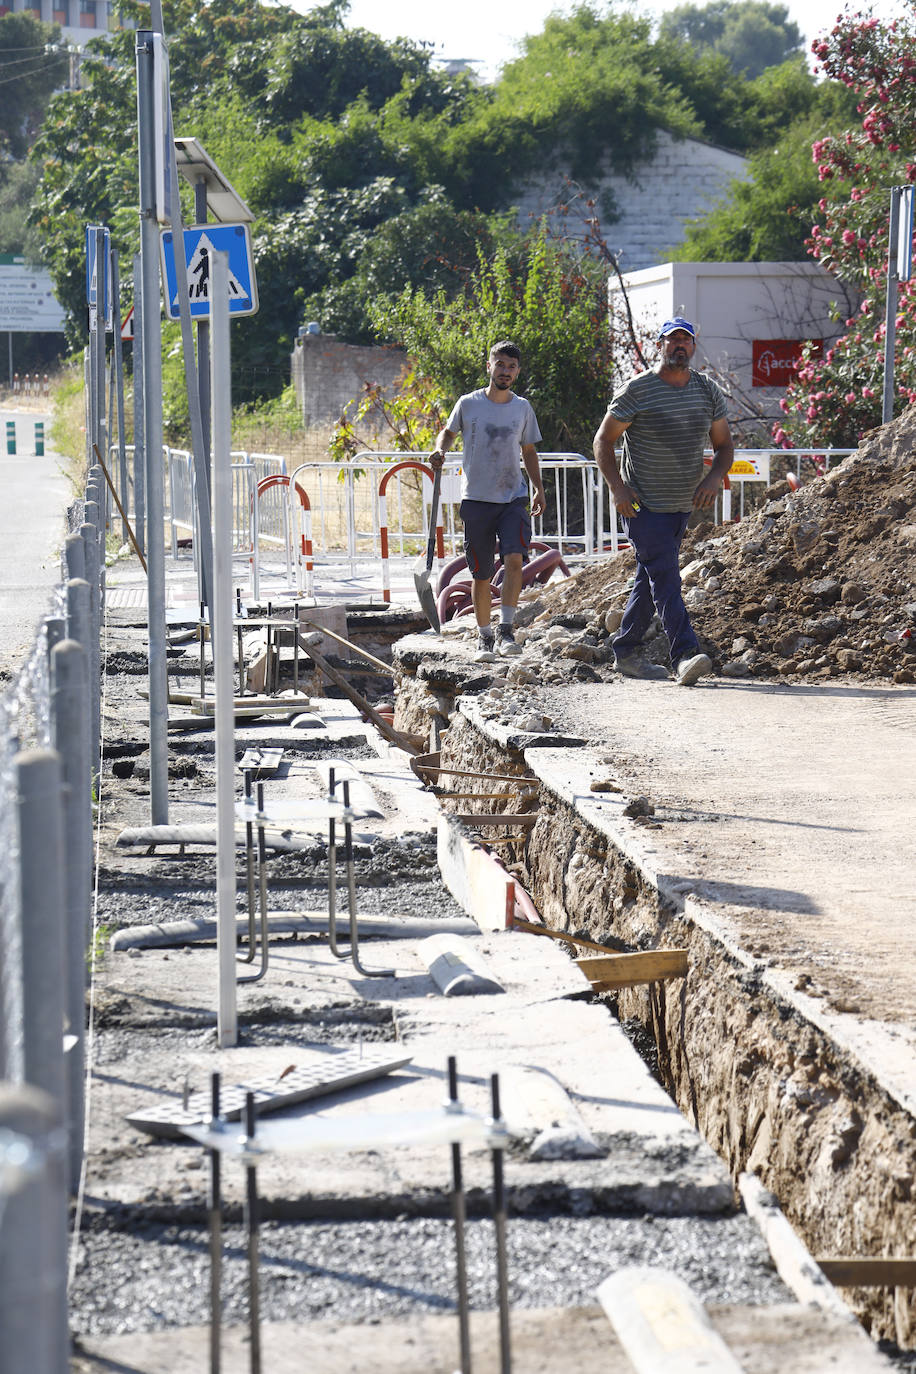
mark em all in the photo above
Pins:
pixel 669 429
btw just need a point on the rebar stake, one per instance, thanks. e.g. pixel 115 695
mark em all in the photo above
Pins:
pixel 332 874
pixel 499 1223
pixel 351 897
pixel 216 1238
pixel 253 1222
pixel 458 1213
pixel 249 873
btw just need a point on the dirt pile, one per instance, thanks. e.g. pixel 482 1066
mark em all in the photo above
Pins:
pixel 817 583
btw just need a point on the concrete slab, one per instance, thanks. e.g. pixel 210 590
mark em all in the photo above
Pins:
pixel 650 1158
pixel 787 1339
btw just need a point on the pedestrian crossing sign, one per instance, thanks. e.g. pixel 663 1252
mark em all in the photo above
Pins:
pixel 199 242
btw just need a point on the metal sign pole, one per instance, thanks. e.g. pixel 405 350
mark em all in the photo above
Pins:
pixel 221 631
pixel 139 441
pixel 101 309
pixel 117 348
pixel 890 308
pixel 203 328
pixel 201 466
pixel 152 431
pixel 92 252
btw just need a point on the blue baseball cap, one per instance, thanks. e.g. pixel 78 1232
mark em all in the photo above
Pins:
pixel 678 322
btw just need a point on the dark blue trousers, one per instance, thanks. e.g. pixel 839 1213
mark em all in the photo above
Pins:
pixel 656 540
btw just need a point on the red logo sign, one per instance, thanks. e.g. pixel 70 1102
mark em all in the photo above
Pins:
pixel 775 360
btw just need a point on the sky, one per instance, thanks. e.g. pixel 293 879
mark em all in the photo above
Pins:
pixel 489 32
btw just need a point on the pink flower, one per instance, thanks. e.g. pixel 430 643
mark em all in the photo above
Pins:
pixel 850 398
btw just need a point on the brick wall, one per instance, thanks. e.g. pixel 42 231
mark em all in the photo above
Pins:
pixel 328 374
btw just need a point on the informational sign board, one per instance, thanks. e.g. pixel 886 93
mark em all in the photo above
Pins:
pixel 750 467
pixel 162 128
pixel 27 303
pixel 92 294
pixel 199 242
pixel 774 360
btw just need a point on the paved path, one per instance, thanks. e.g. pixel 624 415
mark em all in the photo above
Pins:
pixel 32 529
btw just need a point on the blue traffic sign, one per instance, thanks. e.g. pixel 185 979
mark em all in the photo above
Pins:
pixel 199 243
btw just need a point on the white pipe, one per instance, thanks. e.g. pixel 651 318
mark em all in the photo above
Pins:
pixel 221 632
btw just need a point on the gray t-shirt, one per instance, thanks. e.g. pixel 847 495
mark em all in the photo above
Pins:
pixel 494 432
pixel 669 429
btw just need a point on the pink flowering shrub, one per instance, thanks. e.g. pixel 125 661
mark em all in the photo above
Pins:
pixel 836 398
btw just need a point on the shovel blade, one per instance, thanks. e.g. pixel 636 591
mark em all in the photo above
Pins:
pixel 421 574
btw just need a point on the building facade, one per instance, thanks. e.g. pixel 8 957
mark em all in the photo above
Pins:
pixel 79 20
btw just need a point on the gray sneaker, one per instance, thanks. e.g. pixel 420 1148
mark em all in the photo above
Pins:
pixel 485 648
pixel 636 667
pixel 505 642
pixel 690 669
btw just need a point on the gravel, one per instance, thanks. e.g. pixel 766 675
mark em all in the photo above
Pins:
pixel 157 1276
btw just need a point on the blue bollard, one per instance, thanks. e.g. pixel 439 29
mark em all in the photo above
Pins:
pixel 11 436
pixel 39 438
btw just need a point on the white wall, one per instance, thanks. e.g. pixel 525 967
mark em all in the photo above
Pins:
pixel 733 304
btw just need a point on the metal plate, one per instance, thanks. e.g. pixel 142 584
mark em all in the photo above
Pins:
pixel 330 1074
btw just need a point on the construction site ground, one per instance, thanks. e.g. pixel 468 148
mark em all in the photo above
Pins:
pixel 760 820
pixel 357 1267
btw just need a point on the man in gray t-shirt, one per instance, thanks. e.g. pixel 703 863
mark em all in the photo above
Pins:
pixel 499 428
pixel 665 419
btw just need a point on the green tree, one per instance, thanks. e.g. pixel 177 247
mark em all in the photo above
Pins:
pixel 432 246
pixel 751 34
pixel 555 310
pixel 32 66
pixel 767 216
pixel 837 398
pixel 18 185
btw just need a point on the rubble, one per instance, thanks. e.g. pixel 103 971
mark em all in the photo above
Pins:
pixel 816 584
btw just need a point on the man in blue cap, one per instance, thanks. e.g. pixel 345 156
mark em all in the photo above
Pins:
pixel 665 418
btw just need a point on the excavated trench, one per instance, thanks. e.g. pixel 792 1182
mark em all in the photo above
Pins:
pixel 768 1089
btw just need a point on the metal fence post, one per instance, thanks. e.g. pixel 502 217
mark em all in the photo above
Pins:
pixel 79 618
pixel 40 835
pixel 74 557
pixel 70 736
pixel 55 630
pixel 93 644
pixel 33 1236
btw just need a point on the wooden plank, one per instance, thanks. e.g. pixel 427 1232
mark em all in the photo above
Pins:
pixel 480 818
pixel 532 927
pixel 385 668
pixel 662 1325
pixel 429 763
pixel 608 971
pixel 395 737
pixel 869 1272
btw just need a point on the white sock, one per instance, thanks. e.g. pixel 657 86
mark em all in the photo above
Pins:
pixel 507 615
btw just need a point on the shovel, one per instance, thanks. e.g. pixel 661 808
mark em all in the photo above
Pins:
pixel 423 566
